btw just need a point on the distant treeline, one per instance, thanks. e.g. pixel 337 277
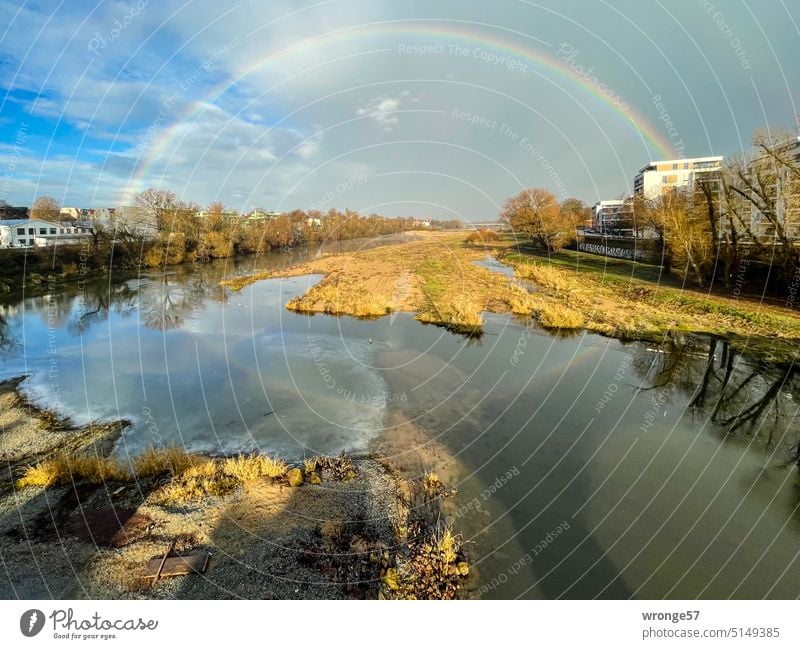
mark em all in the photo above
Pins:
pixel 163 230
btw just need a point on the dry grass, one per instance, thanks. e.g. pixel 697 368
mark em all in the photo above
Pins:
pixel 544 276
pixel 520 301
pixel 201 480
pixel 460 314
pixel 156 462
pixel 252 467
pixel 238 283
pixel 66 469
pixel 556 316
pixel 191 476
pixel 328 298
pixel 447 545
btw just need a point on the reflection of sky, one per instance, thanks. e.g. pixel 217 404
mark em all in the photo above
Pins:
pixel 232 376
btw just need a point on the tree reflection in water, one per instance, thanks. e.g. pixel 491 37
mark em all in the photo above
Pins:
pixel 740 395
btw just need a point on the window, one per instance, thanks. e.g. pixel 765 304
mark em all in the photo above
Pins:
pixel 664 180
pixel 685 165
pixel 675 167
pixel 31 231
pixel 23 242
pixel 52 230
pixel 20 231
pixel 42 230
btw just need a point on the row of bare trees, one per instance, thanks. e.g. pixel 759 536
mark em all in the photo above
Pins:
pixel 175 233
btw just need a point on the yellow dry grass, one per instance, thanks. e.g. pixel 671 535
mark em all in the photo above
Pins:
pixel 65 469
pixel 328 298
pixel 251 467
pixel 158 461
pixel 544 276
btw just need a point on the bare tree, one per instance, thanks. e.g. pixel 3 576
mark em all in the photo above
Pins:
pixel 156 208
pixel 761 194
pixel 536 213
pixel 687 235
pixel 46 208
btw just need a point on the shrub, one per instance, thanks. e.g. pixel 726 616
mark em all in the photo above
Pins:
pixel 481 236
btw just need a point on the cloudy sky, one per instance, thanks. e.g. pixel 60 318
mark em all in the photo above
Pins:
pixel 434 108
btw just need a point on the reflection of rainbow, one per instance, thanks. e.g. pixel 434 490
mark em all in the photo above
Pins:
pixel 448 31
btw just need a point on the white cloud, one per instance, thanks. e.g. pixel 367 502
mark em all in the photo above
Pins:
pixel 383 110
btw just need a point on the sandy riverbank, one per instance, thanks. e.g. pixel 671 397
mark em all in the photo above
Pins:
pixel 343 528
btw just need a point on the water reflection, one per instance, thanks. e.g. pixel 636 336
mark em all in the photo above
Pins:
pixel 671 465
pixel 740 395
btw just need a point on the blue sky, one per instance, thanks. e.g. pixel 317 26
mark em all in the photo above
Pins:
pixel 433 108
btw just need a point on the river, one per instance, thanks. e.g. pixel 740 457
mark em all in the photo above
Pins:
pixel 585 466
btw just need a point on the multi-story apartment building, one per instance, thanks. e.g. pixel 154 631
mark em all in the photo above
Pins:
pixel 779 180
pixel 660 175
pixel 613 217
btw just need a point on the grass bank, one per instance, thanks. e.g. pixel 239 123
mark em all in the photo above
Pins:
pixel 437 279
pixel 637 301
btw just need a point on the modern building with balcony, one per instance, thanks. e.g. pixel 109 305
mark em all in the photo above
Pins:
pixel 658 176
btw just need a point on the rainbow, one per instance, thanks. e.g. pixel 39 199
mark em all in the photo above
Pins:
pixel 451 31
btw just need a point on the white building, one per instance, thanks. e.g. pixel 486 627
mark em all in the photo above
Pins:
pixel 612 216
pixel 660 175
pixel 29 233
pixel 72 212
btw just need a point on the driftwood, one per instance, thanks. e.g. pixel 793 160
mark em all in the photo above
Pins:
pixel 177 566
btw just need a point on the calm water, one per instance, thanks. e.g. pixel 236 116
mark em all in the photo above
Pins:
pixel 585 467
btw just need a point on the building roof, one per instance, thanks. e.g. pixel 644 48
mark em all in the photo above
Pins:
pixel 713 158
pixel 21 221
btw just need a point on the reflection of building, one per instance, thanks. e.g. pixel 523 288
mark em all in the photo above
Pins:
pixel 613 217
pixel 656 177
pixel 29 233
